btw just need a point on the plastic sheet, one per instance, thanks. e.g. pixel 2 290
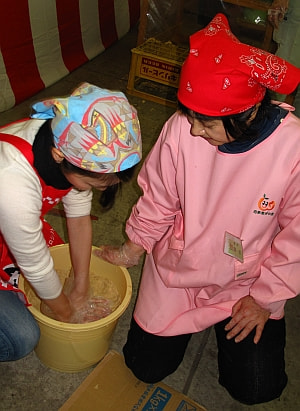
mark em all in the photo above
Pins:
pixel 176 20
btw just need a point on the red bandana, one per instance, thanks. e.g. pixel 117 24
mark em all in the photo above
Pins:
pixel 222 76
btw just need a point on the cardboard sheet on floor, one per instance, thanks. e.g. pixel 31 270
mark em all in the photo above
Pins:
pixel 112 387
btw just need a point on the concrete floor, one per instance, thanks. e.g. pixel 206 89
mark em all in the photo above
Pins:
pixel 27 384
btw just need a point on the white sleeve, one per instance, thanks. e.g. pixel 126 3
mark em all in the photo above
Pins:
pixel 78 203
pixel 20 223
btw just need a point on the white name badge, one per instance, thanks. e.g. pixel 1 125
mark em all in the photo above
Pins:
pixel 233 246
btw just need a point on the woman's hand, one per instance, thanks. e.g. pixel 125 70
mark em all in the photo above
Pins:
pixel 127 255
pixel 81 311
pixel 57 308
pixel 246 315
pixel 92 309
pixel 85 307
pixel 70 301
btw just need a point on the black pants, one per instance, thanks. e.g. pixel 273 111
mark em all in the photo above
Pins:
pixel 251 373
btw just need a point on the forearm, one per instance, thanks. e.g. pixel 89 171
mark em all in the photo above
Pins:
pixel 80 239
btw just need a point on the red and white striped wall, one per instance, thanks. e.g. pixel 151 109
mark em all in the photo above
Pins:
pixel 41 41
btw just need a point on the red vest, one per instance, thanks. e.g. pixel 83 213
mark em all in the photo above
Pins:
pixel 9 271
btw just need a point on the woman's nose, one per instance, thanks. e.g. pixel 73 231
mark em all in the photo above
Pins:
pixel 197 129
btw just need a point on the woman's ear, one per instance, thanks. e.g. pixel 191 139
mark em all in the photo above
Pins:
pixel 254 112
pixel 57 155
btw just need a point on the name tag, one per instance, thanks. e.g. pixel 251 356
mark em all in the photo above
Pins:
pixel 233 246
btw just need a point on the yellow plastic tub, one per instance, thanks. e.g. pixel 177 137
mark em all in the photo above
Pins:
pixel 75 347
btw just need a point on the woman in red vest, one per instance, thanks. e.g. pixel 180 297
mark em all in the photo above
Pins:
pixel 70 146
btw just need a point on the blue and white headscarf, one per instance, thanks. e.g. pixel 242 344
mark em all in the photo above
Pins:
pixel 96 129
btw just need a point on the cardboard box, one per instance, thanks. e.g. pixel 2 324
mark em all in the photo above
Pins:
pixel 155 71
pixel 111 386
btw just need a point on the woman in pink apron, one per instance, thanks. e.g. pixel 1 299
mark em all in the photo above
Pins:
pixel 70 146
pixel 218 219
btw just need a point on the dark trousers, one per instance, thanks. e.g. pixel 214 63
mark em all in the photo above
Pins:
pixel 251 373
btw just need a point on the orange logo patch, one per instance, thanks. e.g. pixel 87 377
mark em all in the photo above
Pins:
pixel 264 204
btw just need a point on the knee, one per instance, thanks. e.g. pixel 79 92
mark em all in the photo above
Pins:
pixel 29 339
pixel 253 373
pixel 150 357
pixel 19 343
pixel 254 392
pixel 141 367
pixel 260 378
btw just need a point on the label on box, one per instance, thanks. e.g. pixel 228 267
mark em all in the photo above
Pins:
pixel 159 400
pixel 163 72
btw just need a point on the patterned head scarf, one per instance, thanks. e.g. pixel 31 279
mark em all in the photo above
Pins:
pixel 96 129
pixel 222 76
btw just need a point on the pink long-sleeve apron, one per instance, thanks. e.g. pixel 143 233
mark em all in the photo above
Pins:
pixel 193 195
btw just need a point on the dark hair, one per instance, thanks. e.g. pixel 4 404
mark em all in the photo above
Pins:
pixel 237 125
pixel 107 197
